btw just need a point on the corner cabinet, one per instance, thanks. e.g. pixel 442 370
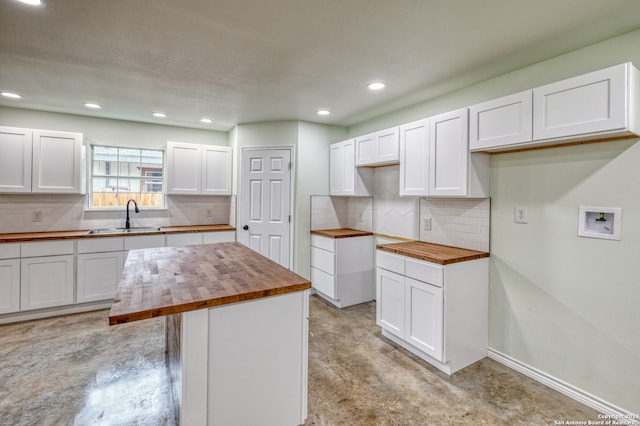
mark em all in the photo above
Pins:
pixel 437 312
pixel 198 169
pixel 344 178
pixel 41 161
pixel 378 148
pixel 453 171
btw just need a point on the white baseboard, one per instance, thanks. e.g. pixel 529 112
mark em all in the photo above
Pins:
pixel 565 388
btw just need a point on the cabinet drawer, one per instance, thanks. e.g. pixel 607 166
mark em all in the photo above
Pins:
pixel 390 262
pixel 9 251
pixel 144 241
pixel 324 243
pixel 424 271
pixel 100 245
pixel 47 248
pixel 323 282
pixel 178 240
pixel 323 260
pixel 219 237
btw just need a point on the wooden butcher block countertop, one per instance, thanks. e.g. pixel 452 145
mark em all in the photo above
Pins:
pixel 169 280
pixel 341 233
pixel 435 253
pixel 65 235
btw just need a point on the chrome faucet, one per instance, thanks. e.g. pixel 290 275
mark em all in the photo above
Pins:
pixel 127 225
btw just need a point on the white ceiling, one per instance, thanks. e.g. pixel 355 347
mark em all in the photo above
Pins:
pixel 240 61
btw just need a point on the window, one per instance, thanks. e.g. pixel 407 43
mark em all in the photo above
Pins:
pixel 118 174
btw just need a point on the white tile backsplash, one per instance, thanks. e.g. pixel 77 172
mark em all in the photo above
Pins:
pixel 341 212
pixel 456 222
pixel 392 214
pixel 67 212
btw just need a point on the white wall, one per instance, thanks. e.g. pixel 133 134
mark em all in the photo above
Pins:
pixel 565 305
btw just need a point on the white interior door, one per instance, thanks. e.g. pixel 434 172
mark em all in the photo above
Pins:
pixel 266 202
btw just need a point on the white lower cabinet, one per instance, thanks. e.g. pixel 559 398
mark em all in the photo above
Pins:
pixel 191 238
pixel 437 312
pixel 9 286
pixel 98 275
pixel 342 269
pixel 46 282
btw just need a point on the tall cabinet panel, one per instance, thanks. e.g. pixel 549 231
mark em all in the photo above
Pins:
pixel 15 159
pixel 448 154
pixel 57 162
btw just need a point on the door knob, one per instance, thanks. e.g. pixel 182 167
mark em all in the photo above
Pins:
pixel 246 227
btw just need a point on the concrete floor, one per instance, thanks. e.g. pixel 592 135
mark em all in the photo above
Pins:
pixel 77 370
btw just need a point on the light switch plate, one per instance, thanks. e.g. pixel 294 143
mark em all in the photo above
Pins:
pixel 520 214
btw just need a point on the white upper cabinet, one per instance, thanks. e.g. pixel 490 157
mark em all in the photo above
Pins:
pixel 378 148
pixel 453 170
pixel 344 177
pixel 414 158
pixel 15 159
pixel 503 121
pixel 597 103
pixel 198 169
pixel 58 162
pixel 41 161
pixel 216 170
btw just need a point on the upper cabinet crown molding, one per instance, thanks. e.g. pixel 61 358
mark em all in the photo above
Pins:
pixel 198 169
pixel 41 161
pixel 596 106
pixel 378 148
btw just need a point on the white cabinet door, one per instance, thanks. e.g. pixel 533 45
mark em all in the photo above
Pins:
pixel 424 319
pixel 336 169
pixel 378 148
pixel 449 154
pixel 184 168
pixel 349 174
pixel 504 121
pixel 15 159
pixel 98 275
pixel 46 282
pixel 58 164
pixel 216 170
pixel 590 103
pixel 9 286
pixel 390 302
pixel 414 158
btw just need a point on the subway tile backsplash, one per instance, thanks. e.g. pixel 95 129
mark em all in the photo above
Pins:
pixel 341 212
pixel 456 222
pixel 67 212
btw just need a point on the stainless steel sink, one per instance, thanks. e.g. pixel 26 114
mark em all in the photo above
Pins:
pixel 133 230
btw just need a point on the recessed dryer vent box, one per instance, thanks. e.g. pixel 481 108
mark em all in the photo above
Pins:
pixel 600 222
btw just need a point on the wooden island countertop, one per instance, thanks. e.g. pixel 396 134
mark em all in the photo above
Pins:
pixel 170 280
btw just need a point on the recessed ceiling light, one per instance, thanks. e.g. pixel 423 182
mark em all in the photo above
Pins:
pixel 376 85
pixel 11 95
pixel 159 114
pixel 32 2
pixel 323 111
pixel 205 120
pixel 92 105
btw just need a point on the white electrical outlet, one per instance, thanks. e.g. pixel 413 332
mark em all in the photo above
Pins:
pixel 427 224
pixel 37 216
pixel 209 213
pixel 520 214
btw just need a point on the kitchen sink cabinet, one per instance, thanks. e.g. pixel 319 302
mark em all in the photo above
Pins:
pixel 198 169
pixel 344 178
pixel 342 269
pixel 378 148
pixel 41 161
pixel 437 312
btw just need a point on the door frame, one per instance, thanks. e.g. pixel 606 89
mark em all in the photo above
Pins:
pixel 292 195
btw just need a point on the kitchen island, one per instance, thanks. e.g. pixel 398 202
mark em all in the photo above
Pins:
pixel 236 331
